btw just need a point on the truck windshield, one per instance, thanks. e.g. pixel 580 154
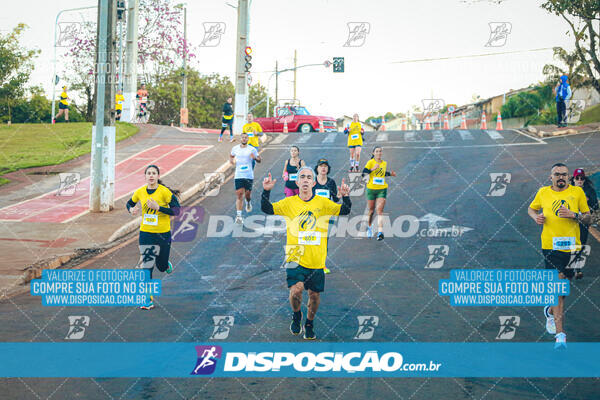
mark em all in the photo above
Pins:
pixel 301 111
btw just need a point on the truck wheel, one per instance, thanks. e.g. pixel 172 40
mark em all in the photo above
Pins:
pixel 305 128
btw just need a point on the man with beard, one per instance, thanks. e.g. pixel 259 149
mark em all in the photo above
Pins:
pixel 562 207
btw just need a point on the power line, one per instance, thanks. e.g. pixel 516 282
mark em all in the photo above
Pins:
pixel 469 56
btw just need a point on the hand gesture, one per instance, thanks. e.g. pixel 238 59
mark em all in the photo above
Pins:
pixel 134 210
pixel 376 166
pixel 564 212
pixel 152 204
pixel 269 183
pixel 393 173
pixel 539 219
pixel 344 190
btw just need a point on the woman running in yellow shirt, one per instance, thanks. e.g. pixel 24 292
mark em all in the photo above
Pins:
pixel 376 189
pixel 158 204
pixel 355 134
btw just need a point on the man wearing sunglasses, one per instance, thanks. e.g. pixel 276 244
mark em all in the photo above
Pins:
pixel 307 220
pixel 562 207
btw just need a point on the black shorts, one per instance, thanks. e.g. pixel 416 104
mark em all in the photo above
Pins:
pixel 314 279
pixel 243 183
pixel 119 112
pixel 163 241
pixel 227 122
pixel 558 260
pixel 62 106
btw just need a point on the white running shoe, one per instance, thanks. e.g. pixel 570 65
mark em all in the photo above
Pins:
pixel 550 325
pixel 561 340
pixel 369 232
pixel 239 220
pixel 248 206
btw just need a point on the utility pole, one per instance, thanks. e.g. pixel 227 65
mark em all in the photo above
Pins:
pixel 183 121
pixel 276 83
pixel 241 79
pixel 131 55
pixel 103 133
pixel 295 69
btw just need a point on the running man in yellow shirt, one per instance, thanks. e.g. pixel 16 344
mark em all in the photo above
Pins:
pixel 376 189
pixel 119 99
pixel 254 130
pixel 355 134
pixel 307 220
pixel 562 207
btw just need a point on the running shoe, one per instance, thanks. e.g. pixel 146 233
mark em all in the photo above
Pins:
pixel 309 332
pixel 239 219
pixel 220 138
pixel 550 325
pixel 296 325
pixel 578 274
pixel 230 139
pixel 351 169
pixel 326 270
pixel 248 206
pixel 561 341
pixel 149 304
pixel 369 232
pixel 170 268
pixel 379 235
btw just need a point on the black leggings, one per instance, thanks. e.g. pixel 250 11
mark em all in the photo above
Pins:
pixel 163 241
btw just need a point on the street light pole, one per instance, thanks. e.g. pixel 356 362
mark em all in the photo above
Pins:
pixel 54 61
pixel 182 124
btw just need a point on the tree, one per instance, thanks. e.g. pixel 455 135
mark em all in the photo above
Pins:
pixel 575 70
pixel 16 64
pixel 161 50
pixel 580 16
pixel 257 101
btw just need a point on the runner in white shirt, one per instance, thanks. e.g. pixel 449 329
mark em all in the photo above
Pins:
pixel 241 156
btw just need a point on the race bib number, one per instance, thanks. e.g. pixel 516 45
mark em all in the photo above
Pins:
pixel 250 134
pixel 150 219
pixel 354 136
pixel 244 167
pixel 378 181
pixel 309 238
pixel 120 102
pixel 564 243
pixel 144 99
pixel 322 192
pixel 293 177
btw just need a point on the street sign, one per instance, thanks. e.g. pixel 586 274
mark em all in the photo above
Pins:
pixel 451 108
pixel 338 64
pixel 327 63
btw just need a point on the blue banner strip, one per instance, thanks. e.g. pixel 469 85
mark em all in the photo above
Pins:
pixel 374 359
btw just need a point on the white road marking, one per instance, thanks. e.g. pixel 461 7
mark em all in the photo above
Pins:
pixel 303 138
pixel 280 138
pixel 409 136
pixel 330 138
pixel 382 137
pixel 465 135
pixel 438 136
pixel 494 135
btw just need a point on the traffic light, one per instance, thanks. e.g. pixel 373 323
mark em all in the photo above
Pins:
pixel 120 9
pixel 338 64
pixel 248 58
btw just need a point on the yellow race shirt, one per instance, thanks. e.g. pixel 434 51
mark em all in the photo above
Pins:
pixel 154 221
pixel 63 98
pixel 119 99
pixel 307 223
pixel 560 233
pixel 377 177
pixel 251 129
pixel 354 136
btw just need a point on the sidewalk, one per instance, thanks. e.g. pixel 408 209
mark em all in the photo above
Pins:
pixel 40 229
pixel 553 130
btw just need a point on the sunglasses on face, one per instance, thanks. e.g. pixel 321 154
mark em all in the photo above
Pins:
pixel 579 178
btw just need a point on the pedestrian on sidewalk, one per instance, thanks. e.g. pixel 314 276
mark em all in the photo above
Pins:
pixel 562 90
pixel 158 203
pixel 63 106
pixel 579 179
pixel 227 121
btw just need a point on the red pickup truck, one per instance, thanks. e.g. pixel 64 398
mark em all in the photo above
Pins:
pixel 298 120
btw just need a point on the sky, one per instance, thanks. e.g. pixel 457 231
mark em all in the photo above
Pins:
pixel 376 78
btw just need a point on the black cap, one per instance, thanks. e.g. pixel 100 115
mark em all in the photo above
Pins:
pixel 321 162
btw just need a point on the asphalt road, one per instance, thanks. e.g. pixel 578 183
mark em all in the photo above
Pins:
pixel 444 179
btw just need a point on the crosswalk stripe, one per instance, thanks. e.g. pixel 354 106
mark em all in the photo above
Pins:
pixel 330 138
pixel 280 138
pixel 465 135
pixel 409 136
pixel 382 137
pixel 303 138
pixel 495 135
pixel 438 136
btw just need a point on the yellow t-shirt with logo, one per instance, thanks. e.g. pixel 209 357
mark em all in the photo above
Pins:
pixel 354 136
pixel 307 224
pixel 251 129
pixel 560 233
pixel 377 177
pixel 119 99
pixel 154 221
pixel 63 98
